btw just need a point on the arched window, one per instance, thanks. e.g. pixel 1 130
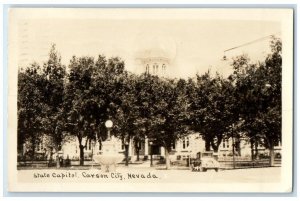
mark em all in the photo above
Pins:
pixel 163 68
pixel 185 143
pixel 174 145
pixel 147 68
pixel 155 68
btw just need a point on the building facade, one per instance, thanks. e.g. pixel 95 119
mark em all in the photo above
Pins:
pixel 154 61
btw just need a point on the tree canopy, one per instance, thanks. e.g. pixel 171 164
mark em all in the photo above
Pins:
pixel 60 101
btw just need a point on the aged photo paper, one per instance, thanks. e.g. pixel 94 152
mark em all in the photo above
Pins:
pixel 150 100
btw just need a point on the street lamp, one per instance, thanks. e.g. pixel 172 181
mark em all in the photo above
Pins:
pixel 108 125
pixel 267 85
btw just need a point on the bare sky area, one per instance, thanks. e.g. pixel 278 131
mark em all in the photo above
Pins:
pixel 195 42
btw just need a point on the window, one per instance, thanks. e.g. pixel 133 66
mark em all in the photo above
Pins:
pixel 39 146
pixel 225 143
pixel 155 68
pixel 147 69
pixel 89 145
pixel 185 143
pixel 163 68
pixel 174 145
pixel 277 143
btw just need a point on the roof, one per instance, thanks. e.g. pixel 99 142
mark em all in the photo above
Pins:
pixel 153 53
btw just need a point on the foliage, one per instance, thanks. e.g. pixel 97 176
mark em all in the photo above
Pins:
pixel 79 105
pixel 164 108
pixel 212 108
pixel 57 103
pixel 31 108
pixel 258 87
pixel 92 95
pixel 53 92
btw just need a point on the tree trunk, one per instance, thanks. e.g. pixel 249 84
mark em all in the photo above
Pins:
pixel 167 155
pixel 57 160
pixel 57 157
pixel 252 149
pixel 207 145
pixel 216 146
pixel 81 152
pixel 126 154
pixel 21 149
pixel 33 141
pixel 138 154
pixel 137 149
pixel 238 146
pixel 256 149
pixel 32 154
pixel 272 155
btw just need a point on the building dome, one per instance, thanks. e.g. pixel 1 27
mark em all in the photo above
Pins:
pixel 154 61
pixel 154 53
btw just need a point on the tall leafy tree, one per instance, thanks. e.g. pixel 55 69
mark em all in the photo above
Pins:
pixel 259 89
pixel 109 86
pixel 247 97
pixel 129 125
pixel 79 104
pixel 31 108
pixel 211 108
pixel 93 94
pixel 54 74
pixel 165 108
pixel 270 116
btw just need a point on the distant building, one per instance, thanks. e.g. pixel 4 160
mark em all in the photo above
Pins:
pixel 154 61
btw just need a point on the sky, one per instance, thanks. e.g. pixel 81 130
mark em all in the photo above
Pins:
pixel 195 42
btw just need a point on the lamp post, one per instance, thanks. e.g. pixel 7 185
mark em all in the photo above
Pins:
pixel 151 158
pixel 108 125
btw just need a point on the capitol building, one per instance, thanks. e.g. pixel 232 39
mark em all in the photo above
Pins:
pixel 154 61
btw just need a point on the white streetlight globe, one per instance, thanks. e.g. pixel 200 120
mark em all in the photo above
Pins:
pixel 108 124
pixel 268 85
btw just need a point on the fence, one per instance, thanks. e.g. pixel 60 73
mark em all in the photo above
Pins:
pixel 240 163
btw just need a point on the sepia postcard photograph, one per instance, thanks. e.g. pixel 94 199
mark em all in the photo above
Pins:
pixel 150 100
